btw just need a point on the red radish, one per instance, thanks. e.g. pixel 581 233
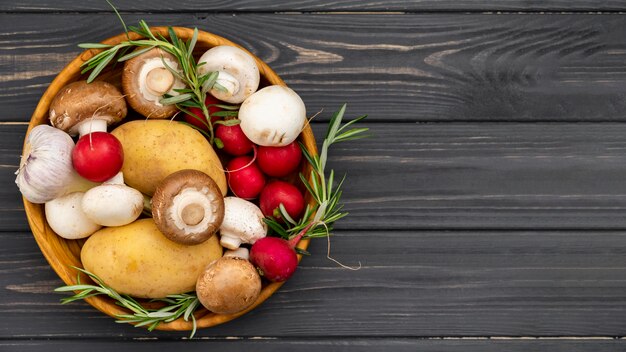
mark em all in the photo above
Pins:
pixel 198 119
pixel 244 177
pixel 279 161
pixel 275 257
pixel 98 156
pixel 234 141
pixel 278 192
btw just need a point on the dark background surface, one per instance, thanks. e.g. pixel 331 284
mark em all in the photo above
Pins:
pixel 487 211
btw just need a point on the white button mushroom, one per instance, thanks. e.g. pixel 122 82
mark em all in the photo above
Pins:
pixel 66 217
pixel 82 108
pixel 243 223
pixel 238 75
pixel 113 203
pixel 273 117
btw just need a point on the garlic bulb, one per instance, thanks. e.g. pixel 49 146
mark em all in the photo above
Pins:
pixel 46 170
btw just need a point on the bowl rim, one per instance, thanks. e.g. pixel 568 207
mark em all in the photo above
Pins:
pixel 58 250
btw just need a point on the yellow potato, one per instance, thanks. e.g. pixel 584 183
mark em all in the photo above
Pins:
pixel 136 259
pixel 153 149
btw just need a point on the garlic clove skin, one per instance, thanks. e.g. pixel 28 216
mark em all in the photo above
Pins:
pixel 46 171
pixel 67 219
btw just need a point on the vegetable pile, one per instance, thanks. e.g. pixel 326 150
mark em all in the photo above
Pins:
pixel 207 155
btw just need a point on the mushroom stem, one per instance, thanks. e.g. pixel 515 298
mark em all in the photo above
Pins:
pixel 118 179
pixel 229 240
pixel 91 125
pixel 192 209
pixel 159 81
pixel 192 214
pixel 241 252
pixel 147 205
pixel 228 82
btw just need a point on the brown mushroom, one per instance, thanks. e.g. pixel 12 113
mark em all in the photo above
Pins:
pixel 228 285
pixel 146 79
pixel 82 108
pixel 188 207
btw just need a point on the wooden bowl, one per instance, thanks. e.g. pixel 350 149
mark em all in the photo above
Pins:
pixel 62 254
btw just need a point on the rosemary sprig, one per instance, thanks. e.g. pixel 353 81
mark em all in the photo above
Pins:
pixel 176 306
pixel 323 189
pixel 193 95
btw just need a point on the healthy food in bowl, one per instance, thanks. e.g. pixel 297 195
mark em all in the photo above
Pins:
pixel 175 176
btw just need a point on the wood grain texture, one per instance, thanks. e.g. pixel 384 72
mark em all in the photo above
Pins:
pixel 313 5
pixel 453 176
pixel 411 284
pixel 314 345
pixel 394 67
pixel 487 210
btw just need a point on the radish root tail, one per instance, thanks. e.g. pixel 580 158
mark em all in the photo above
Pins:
pixel 354 268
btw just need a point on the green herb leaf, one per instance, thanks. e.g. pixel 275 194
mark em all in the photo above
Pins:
pixel 219 87
pixel 94 46
pixel 173 36
pixel 96 71
pixel 225 107
pixel 119 17
pixel 225 113
pixel 135 53
pixel 231 122
pixel 146 30
pixel 175 99
pixel 208 81
pixel 192 43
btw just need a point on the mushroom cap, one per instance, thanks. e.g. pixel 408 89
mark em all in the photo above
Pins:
pixel 80 100
pixel 134 76
pixel 243 223
pixel 273 117
pixel 112 204
pixel 228 285
pixel 231 63
pixel 188 207
pixel 66 217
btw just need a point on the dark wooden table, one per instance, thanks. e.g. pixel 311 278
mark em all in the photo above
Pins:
pixel 488 209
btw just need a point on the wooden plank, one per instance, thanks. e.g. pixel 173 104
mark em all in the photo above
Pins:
pixel 453 176
pixel 310 5
pixel 394 67
pixel 314 345
pixel 411 284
